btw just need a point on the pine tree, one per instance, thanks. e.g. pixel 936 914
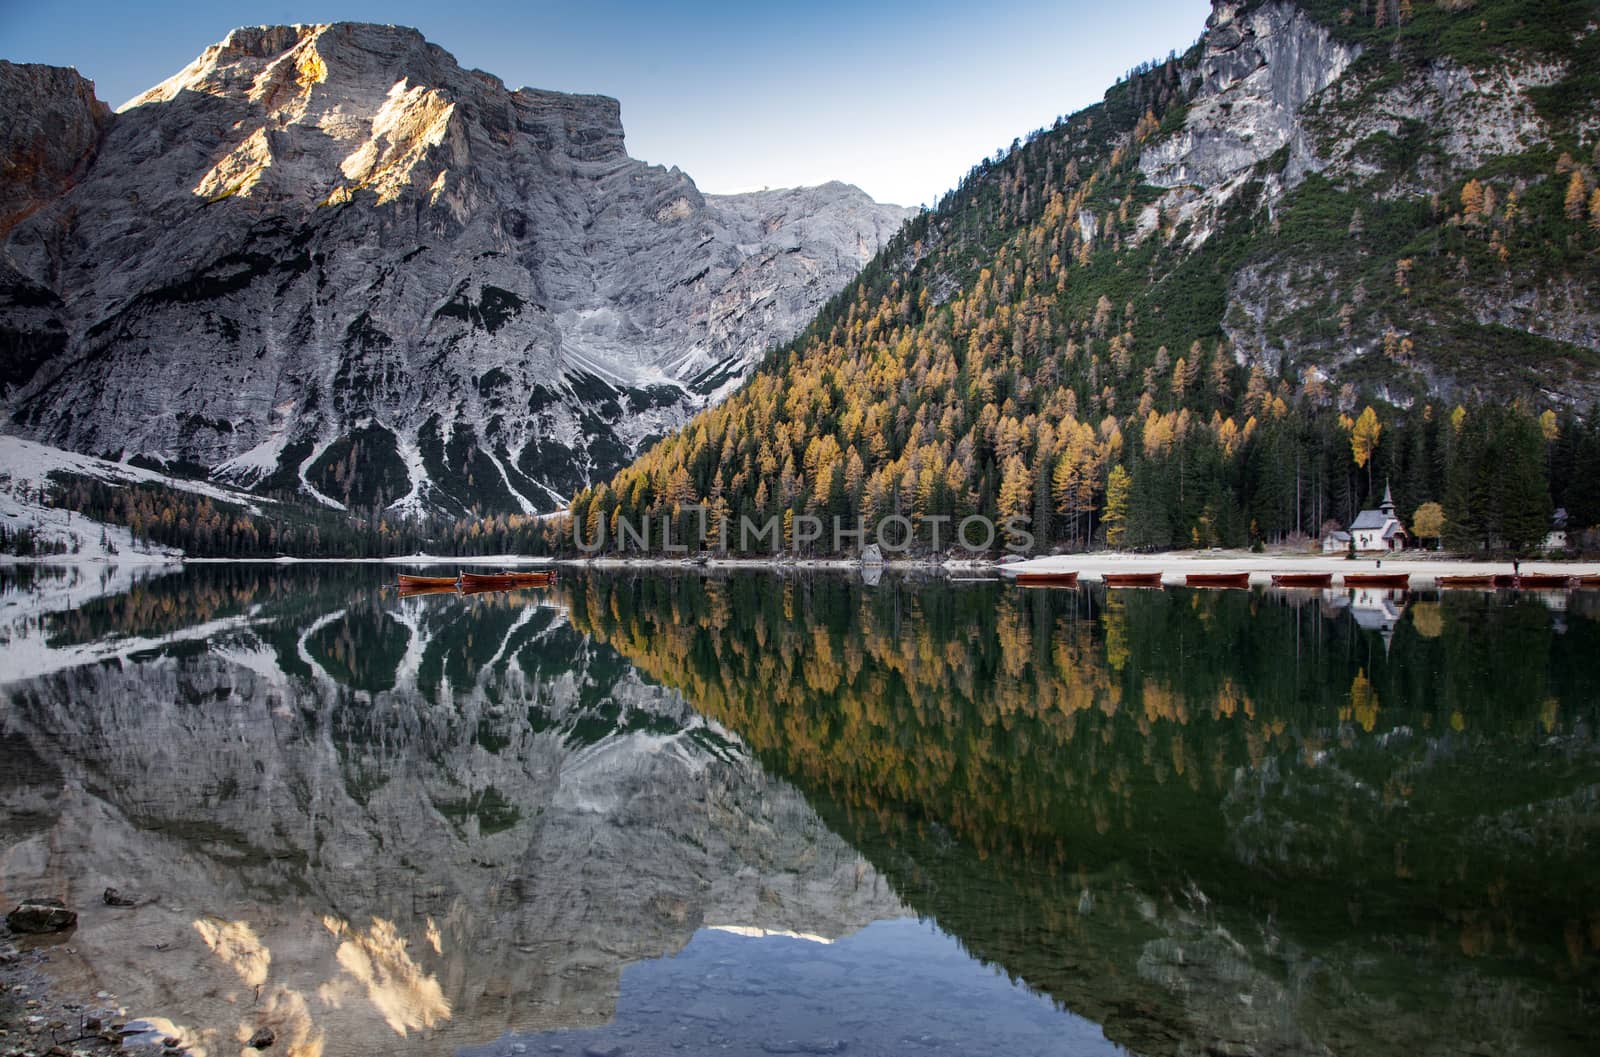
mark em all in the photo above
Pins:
pixel 1524 490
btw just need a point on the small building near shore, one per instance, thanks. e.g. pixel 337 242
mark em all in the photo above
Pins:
pixel 1379 530
pixel 1556 538
pixel 1336 542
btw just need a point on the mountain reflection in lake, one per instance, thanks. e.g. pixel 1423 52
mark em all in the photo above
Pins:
pixel 665 813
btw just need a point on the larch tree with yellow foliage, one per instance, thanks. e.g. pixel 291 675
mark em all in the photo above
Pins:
pixel 1119 485
pixel 1364 437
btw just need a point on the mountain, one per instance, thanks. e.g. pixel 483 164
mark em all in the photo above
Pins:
pixel 327 260
pixel 1204 282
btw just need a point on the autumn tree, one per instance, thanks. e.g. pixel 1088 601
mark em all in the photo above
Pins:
pixel 1428 521
pixel 1364 440
pixel 1115 515
pixel 1577 194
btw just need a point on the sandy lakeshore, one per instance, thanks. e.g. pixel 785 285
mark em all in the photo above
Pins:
pixel 1175 566
pixel 1092 566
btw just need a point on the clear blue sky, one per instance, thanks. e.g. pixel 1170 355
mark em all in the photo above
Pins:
pixel 899 98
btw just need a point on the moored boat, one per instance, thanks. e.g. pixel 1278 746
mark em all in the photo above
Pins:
pixel 1377 580
pixel 1591 580
pixel 483 589
pixel 411 590
pixel 1543 581
pixel 1133 579
pixel 1484 583
pixel 1302 579
pixel 1048 579
pixel 536 579
pixel 407 580
pixel 1232 580
pixel 488 581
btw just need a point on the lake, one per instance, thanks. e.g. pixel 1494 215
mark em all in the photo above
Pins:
pixel 755 813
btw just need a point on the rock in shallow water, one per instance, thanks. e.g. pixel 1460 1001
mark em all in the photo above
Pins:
pixel 41 916
pixel 113 898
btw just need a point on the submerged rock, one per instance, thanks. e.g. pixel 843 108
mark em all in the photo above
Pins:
pixel 41 916
pixel 113 898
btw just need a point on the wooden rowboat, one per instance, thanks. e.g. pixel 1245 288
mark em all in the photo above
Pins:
pixel 1543 581
pixel 407 591
pixel 1377 580
pixel 1302 579
pixel 487 589
pixel 541 578
pixel 1047 579
pixel 488 581
pixel 1232 580
pixel 1133 579
pixel 407 580
pixel 1483 583
pixel 1592 580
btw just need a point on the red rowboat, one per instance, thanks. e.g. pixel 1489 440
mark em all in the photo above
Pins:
pixel 1047 579
pixel 1543 581
pixel 1234 580
pixel 1377 580
pixel 1302 579
pixel 1483 583
pixel 407 580
pixel 409 591
pixel 1133 579
pixel 488 581
pixel 505 581
pixel 1589 581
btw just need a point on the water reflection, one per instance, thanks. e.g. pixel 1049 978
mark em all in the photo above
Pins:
pixel 1295 822
pixel 373 824
pixel 623 810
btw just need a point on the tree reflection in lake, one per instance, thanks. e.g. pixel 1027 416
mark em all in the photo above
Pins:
pixel 1206 821
pixel 1190 816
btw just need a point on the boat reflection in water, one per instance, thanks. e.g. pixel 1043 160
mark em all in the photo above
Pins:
pixel 657 813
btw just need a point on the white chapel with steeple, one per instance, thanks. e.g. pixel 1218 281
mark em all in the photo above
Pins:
pixel 1380 529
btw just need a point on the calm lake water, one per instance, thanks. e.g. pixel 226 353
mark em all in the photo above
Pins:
pixel 653 814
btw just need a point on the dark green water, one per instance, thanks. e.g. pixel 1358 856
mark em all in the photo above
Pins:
pixel 755 814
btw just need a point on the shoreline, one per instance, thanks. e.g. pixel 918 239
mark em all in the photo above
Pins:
pixel 1092 566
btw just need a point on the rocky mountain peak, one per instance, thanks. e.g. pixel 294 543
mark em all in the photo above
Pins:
pixel 321 113
pixel 328 259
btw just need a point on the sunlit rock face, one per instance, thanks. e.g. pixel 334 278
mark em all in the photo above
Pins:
pixel 375 827
pixel 319 239
pixel 1258 70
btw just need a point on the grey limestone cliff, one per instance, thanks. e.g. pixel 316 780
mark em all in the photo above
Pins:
pixel 328 259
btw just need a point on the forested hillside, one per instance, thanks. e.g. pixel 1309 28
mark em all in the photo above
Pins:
pixel 1330 246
